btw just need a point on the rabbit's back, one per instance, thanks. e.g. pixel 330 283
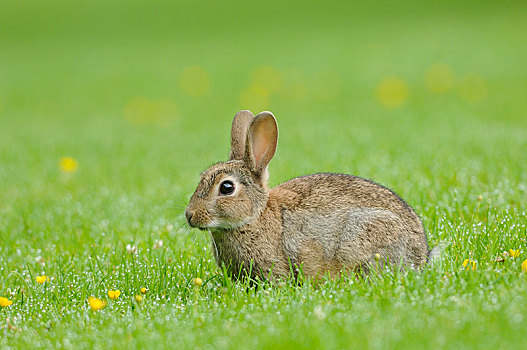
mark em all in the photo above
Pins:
pixel 336 221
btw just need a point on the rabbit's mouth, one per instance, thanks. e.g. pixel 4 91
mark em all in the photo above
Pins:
pixel 213 225
pixel 204 220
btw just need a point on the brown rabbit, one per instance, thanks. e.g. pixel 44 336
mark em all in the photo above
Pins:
pixel 323 223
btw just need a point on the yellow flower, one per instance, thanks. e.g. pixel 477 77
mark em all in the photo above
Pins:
pixel 468 264
pixel 514 253
pixel 42 279
pixel 139 298
pixel 143 290
pixel 68 164
pixel 392 92
pixel 255 97
pixel 4 302
pixel 198 282
pixel 524 266
pixel 114 294
pixel 96 304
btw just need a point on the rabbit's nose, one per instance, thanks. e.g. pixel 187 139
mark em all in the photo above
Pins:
pixel 188 215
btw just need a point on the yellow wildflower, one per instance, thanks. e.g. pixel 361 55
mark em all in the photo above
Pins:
pixel 143 290
pixel 392 92
pixel 114 294
pixel 68 164
pixel 42 279
pixel 4 302
pixel 514 253
pixel 468 264
pixel 255 96
pixel 524 266
pixel 198 282
pixel 139 298
pixel 96 304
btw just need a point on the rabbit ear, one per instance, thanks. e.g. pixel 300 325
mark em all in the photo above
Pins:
pixel 240 124
pixel 262 137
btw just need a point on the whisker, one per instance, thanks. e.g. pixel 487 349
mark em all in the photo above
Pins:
pixel 213 243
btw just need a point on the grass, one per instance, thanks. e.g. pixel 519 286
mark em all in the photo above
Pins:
pixel 352 87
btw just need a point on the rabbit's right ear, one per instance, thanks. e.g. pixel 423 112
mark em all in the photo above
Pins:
pixel 262 138
pixel 240 125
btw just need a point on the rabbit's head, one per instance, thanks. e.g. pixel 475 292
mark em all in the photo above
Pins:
pixel 233 193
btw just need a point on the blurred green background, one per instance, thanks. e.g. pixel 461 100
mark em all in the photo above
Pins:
pixel 428 99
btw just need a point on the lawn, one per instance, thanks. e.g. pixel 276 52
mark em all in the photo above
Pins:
pixel 110 110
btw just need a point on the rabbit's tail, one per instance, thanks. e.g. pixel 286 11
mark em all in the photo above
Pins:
pixel 436 254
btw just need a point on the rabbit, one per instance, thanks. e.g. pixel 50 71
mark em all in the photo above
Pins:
pixel 315 224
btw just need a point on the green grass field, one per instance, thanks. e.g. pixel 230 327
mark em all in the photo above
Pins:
pixel 427 100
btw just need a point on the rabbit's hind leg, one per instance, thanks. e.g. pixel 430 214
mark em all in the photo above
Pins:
pixel 372 238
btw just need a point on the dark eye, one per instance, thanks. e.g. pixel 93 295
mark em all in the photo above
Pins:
pixel 226 187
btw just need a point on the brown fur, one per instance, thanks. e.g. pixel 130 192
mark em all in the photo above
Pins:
pixel 322 223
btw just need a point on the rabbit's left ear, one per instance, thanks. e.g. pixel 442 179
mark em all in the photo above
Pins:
pixel 240 125
pixel 262 137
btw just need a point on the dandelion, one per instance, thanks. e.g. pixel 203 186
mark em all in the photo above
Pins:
pixel 96 304
pixel 143 290
pixel 514 253
pixel 114 294
pixel 468 264
pixel 255 97
pixel 392 92
pixel 68 164
pixel 4 302
pixel 524 266
pixel 198 282
pixel 377 256
pixel 138 298
pixel 42 279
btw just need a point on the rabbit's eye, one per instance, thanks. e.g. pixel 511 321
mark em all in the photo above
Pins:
pixel 226 187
